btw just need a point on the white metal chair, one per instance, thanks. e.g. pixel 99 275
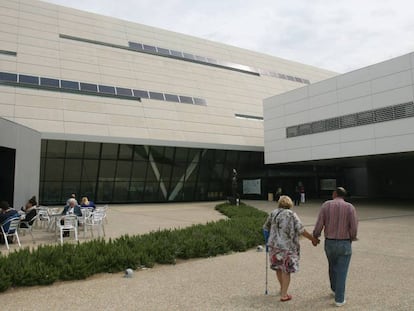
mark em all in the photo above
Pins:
pixel 9 228
pixel 103 209
pixel 27 226
pixel 69 223
pixel 43 218
pixel 86 212
pixel 96 220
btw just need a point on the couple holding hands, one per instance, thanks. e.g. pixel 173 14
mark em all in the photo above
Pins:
pixel 283 228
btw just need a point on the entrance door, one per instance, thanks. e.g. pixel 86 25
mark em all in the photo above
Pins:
pixel 7 163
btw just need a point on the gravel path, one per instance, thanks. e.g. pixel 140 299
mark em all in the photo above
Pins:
pixel 381 275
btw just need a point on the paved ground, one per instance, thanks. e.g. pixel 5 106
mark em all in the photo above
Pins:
pixel 381 274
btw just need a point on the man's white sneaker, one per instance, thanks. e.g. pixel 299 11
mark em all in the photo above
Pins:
pixel 340 304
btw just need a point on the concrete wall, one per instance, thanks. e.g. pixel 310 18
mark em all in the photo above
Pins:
pixel 31 29
pixel 380 85
pixel 26 142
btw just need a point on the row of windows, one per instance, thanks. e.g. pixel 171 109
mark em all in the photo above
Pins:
pixel 405 110
pixel 94 89
pixel 154 50
pixel 140 47
pixel 5 52
pixel 248 117
pixel 135 173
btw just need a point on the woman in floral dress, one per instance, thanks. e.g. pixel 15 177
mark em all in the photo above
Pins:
pixel 284 228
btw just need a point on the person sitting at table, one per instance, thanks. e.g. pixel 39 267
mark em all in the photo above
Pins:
pixel 72 196
pixel 72 208
pixel 86 203
pixel 6 212
pixel 30 212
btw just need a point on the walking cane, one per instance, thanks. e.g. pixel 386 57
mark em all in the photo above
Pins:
pixel 266 236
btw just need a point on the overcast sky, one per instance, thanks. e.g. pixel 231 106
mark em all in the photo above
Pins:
pixel 339 35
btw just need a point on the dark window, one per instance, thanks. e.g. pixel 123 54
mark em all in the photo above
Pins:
pixel 200 101
pixel 10 77
pixel 139 171
pixel 135 45
pixel 176 53
pixel 305 129
pixel 172 98
pixel 90 170
pixel 365 118
pixel 123 91
pixel 292 131
pixel 105 189
pixel 181 154
pixel 29 79
pixel 54 169
pixel 71 85
pixel 92 150
pixel 73 170
pixel 156 95
pixel 106 89
pixel 186 99
pixel 140 153
pixel 384 114
pixel 74 149
pixel 88 87
pixel 52 192
pixel 318 126
pixel 56 148
pixel 121 190
pixel 404 110
pixel 109 151
pixel 88 189
pixel 141 93
pixel 49 82
pixel 125 151
pixel 332 124
pixel 163 51
pixel 188 56
pixel 348 121
pixel 107 169
pixel 150 48
pixel 11 53
pixel 123 170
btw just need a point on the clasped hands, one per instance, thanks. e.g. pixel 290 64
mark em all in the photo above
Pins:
pixel 315 241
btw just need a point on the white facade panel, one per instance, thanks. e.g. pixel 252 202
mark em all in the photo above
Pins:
pixel 365 112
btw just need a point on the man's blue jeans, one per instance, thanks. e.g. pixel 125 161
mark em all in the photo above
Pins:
pixel 339 254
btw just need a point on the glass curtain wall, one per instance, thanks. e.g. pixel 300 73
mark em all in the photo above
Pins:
pixel 121 173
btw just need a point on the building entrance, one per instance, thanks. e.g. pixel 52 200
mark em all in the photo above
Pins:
pixel 7 165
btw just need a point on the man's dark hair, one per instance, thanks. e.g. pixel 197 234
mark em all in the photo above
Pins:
pixel 4 205
pixel 341 192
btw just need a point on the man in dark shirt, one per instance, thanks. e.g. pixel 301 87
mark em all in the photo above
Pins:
pixel 339 221
pixel 6 212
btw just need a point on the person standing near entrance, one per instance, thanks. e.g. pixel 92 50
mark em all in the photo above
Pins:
pixel 339 221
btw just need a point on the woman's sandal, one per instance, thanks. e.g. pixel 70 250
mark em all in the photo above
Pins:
pixel 286 298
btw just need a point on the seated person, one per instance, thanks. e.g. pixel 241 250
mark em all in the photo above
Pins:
pixel 72 196
pixel 6 212
pixel 71 209
pixel 30 212
pixel 86 203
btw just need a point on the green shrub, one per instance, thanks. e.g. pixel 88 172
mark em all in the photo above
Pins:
pixel 49 263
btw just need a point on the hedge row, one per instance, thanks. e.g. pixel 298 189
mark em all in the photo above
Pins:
pixel 49 263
